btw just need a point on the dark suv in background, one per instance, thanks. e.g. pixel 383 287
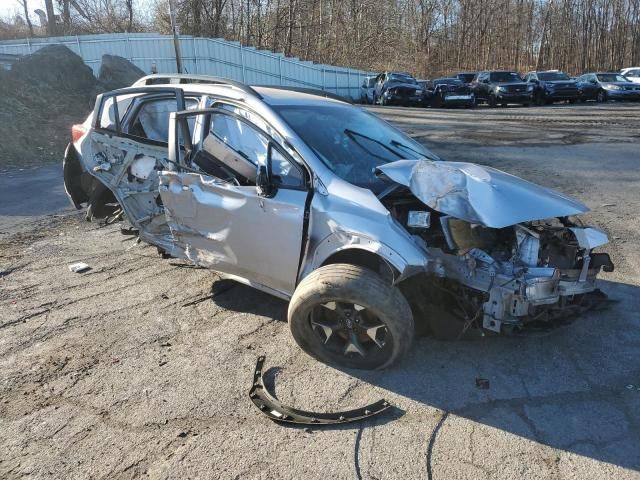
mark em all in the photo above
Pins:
pixel 551 86
pixel 502 87
pixel 397 88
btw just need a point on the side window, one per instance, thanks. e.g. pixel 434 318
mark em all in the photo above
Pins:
pixel 242 147
pixel 108 116
pixel 240 137
pixel 284 172
pixel 152 118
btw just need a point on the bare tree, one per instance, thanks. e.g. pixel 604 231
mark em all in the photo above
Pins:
pixel 25 8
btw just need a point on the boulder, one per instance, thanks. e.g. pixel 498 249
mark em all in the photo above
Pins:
pixel 118 72
pixel 56 67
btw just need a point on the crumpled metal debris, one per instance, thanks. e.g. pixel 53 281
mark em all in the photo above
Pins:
pixel 479 194
pixel 276 411
pixel 79 267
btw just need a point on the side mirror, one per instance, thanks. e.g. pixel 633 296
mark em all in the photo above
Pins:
pixel 534 81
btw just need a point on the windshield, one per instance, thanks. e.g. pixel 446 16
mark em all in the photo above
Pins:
pixel 553 76
pixel 611 77
pixel 399 77
pixel 505 77
pixel 447 81
pixel 350 141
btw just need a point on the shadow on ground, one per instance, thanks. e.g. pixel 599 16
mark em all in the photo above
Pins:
pixel 576 388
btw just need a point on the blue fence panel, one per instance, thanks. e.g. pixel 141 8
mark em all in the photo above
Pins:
pixel 212 56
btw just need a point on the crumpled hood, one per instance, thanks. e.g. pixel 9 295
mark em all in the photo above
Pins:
pixel 479 194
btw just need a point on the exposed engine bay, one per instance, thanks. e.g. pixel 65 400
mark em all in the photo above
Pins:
pixel 532 273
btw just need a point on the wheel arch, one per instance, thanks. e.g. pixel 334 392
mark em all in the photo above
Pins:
pixel 363 258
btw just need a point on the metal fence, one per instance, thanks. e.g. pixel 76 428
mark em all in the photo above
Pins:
pixel 208 56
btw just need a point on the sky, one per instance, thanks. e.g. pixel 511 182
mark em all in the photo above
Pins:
pixel 9 7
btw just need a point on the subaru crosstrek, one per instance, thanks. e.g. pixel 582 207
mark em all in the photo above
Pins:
pixel 366 232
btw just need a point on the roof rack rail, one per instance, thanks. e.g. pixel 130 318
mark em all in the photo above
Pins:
pixel 310 91
pixel 181 78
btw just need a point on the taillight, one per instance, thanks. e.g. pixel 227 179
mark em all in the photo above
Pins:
pixel 77 131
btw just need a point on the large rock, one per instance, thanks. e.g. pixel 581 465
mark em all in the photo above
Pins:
pixel 117 72
pixel 58 67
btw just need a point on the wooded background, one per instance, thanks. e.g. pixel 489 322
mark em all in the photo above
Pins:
pixel 424 37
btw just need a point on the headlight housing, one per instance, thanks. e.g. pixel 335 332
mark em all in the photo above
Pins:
pixel 529 88
pixel 612 87
pixel 500 89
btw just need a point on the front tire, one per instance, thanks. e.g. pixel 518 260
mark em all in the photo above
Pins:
pixel 601 97
pixel 347 315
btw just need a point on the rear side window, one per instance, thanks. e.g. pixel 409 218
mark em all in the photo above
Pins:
pixel 152 118
pixel 108 117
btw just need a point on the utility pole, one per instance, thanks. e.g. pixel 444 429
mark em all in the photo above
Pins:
pixel 176 40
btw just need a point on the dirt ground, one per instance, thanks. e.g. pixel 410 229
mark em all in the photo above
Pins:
pixel 134 369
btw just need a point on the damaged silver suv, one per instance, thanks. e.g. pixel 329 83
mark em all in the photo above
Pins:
pixel 369 235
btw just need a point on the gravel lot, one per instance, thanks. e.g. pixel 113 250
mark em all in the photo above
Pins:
pixel 134 370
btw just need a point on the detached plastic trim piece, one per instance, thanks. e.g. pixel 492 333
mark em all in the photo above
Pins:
pixel 278 412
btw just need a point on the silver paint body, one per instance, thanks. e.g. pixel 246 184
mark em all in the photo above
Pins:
pixel 259 240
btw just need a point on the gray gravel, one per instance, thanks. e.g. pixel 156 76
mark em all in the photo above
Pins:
pixel 133 370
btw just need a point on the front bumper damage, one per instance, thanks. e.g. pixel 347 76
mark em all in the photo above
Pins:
pixel 510 251
pixel 515 297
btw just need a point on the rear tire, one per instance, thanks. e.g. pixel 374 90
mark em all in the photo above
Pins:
pixel 325 329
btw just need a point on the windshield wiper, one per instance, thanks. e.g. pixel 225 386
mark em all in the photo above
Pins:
pixel 351 134
pixel 396 143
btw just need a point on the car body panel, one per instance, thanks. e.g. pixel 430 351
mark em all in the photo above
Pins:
pixel 232 229
pixel 479 194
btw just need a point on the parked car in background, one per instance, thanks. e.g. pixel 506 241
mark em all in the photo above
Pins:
pixel 450 92
pixel 426 93
pixel 551 86
pixel 397 88
pixel 605 86
pixel 367 89
pixel 501 88
pixel 466 77
pixel 633 74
